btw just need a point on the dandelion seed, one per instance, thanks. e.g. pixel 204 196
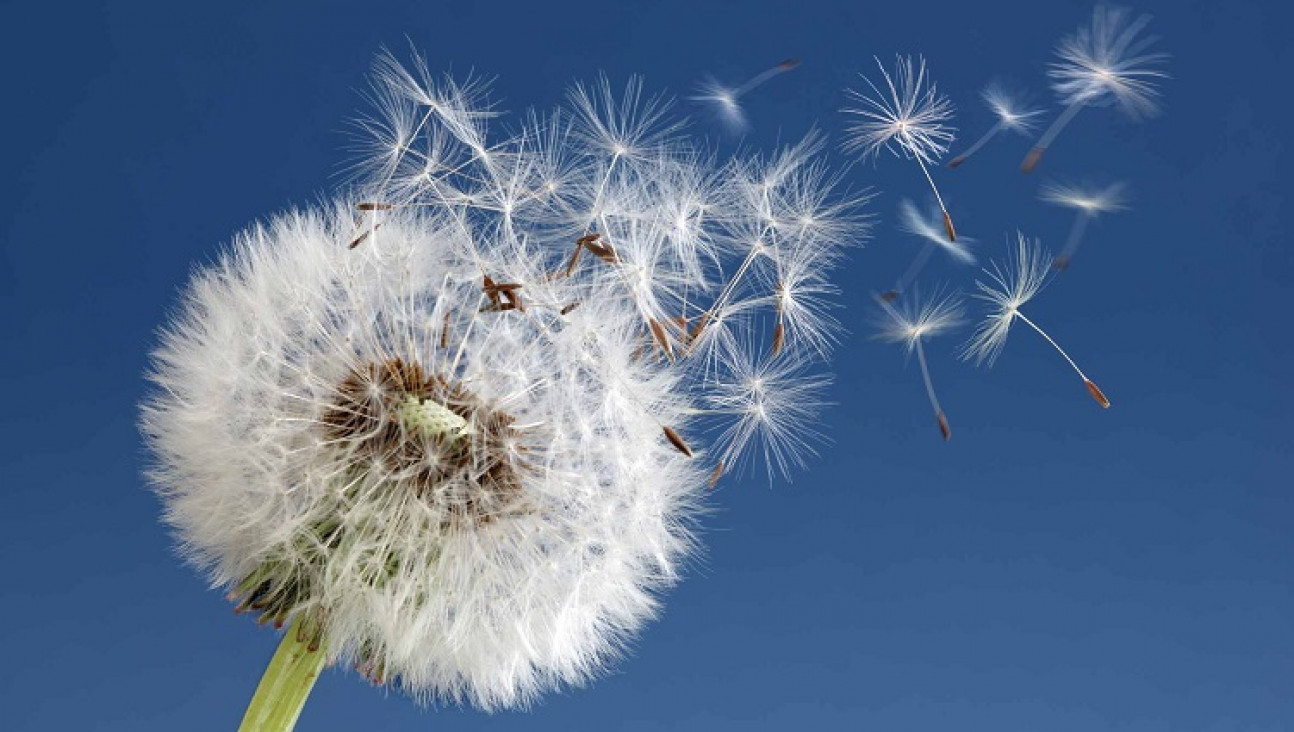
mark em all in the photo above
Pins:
pixel 925 226
pixel 1089 202
pixel 1024 275
pixel 1103 64
pixel 1012 115
pixel 726 101
pixel 912 325
pixel 909 118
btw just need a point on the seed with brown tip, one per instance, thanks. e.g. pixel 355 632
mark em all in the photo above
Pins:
pixel 677 441
pixel 662 340
pixel 944 429
pixel 948 227
pixel 957 161
pixel 370 206
pixel 1097 394
pixel 778 335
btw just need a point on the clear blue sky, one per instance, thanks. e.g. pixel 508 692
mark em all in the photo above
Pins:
pixel 1055 567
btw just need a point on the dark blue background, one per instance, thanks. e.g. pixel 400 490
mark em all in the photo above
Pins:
pixel 1055 567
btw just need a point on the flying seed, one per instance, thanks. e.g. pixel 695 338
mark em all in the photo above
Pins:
pixel 944 428
pixel 948 226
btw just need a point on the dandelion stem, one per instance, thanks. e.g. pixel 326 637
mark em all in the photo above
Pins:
pixel 978 144
pixel 286 683
pixel 948 220
pixel 1035 155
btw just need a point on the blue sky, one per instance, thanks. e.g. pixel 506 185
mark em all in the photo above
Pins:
pixel 1054 567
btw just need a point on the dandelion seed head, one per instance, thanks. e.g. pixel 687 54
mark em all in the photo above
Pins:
pixel 442 428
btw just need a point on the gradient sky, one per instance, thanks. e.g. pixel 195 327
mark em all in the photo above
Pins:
pixel 1053 568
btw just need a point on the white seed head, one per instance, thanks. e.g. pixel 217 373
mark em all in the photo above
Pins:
pixel 1010 108
pixel 454 435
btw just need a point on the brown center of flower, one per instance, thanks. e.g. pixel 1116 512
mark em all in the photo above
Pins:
pixel 432 435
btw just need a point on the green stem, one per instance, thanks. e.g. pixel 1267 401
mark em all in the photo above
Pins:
pixel 286 683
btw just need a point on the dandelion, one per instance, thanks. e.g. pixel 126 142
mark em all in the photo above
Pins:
pixel 1089 202
pixel 726 101
pixel 1012 115
pixel 1024 275
pixel 1103 64
pixel 909 118
pixel 925 225
pixel 913 324
pixel 462 444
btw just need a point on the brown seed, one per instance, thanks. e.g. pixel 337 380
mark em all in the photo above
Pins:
pixel 370 206
pixel 714 476
pixel 948 227
pixel 890 295
pixel 356 241
pixel 700 324
pixel 1032 159
pixel 662 340
pixel 944 428
pixel 602 250
pixel 957 161
pixel 568 307
pixel 575 258
pixel 1097 394
pixel 789 64
pixel 677 442
pixel 778 334
pixel 1061 264
pixel 444 333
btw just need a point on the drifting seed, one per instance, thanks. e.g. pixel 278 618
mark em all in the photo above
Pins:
pixel 948 227
pixel 789 64
pixel 1032 159
pixel 957 161
pixel 714 476
pixel 778 334
pixel 677 442
pixel 568 307
pixel 1097 394
pixel 369 206
pixel 356 241
pixel 944 428
pixel 1061 264
pixel 890 295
